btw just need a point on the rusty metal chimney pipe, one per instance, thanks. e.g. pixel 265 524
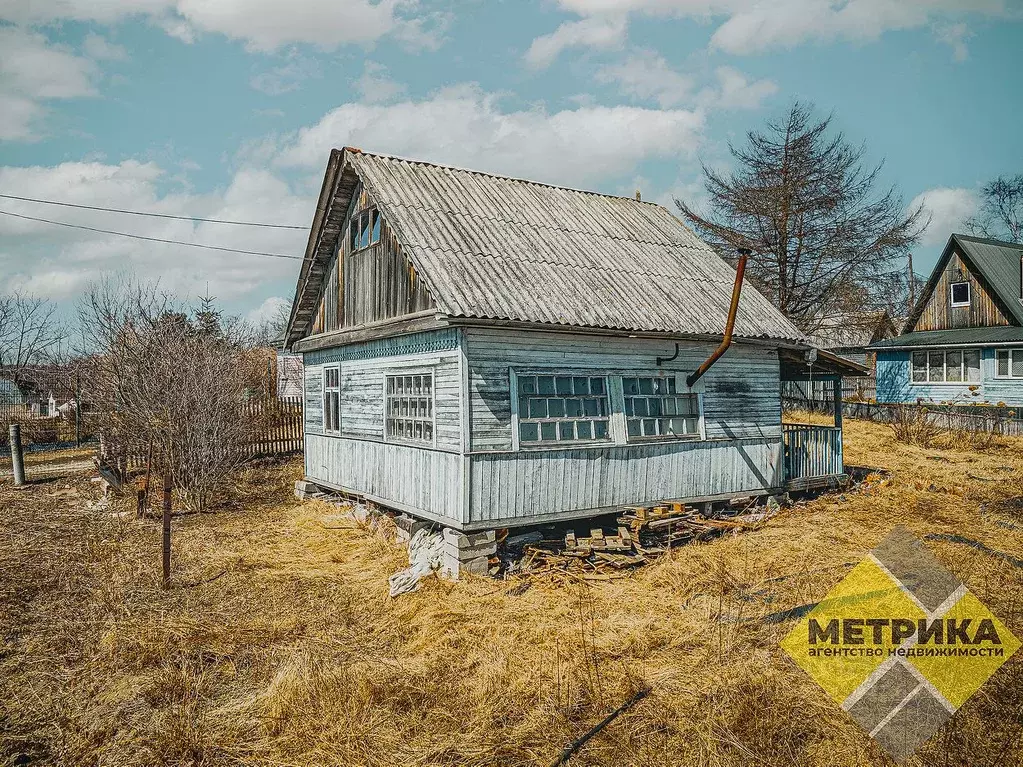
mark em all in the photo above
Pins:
pixel 740 270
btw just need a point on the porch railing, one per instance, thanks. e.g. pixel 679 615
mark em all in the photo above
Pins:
pixel 812 451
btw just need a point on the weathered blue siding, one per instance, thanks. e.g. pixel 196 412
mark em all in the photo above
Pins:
pixel 894 383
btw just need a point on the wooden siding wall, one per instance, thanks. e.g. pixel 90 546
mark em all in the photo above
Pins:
pixel 362 396
pixel 371 284
pixel 938 313
pixel 424 482
pixel 742 396
pixel 531 486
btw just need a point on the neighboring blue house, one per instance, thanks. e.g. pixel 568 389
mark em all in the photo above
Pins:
pixel 963 341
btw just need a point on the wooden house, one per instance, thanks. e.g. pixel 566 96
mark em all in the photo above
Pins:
pixel 487 352
pixel 963 342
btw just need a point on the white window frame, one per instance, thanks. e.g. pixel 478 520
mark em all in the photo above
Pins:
pixel 325 391
pixel 375 225
pixel 944 367
pixel 951 294
pixel 1012 353
pixel 617 421
pixel 398 372
pixel 681 390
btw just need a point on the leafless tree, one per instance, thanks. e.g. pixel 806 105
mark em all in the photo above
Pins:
pixel 269 333
pixel 31 332
pixel 805 205
pixel 169 381
pixel 1001 210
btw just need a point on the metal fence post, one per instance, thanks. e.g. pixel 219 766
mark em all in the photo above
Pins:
pixel 17 457
pixel 166 529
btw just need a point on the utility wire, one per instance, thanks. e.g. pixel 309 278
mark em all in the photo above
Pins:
pixel 154 215
pixel 151 239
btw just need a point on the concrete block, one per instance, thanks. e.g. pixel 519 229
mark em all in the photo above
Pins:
pixel 406 526
pixel 469 540
pixel 465 554
pixel 452 568
pixel 304 489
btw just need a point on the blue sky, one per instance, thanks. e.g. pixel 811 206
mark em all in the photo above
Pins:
pixel 228 109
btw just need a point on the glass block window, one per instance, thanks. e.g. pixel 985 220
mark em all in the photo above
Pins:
pixel 409 407
pixel 947 366
pixel 1009 363
pixel 556 409
pixel 331 399
pixel 654 408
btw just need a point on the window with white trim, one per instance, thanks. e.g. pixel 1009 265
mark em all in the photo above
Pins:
pixel 960 294
pixel 409 407
pixel 952 366
pixel 654 408
pixel 563 408
pixel 1009 363
pixel 331 399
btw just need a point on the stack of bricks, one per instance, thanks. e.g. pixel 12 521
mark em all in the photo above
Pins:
pixel 468 552
pixel 406 527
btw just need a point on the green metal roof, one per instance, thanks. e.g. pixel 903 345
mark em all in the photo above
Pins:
pixel 999 266
pixel 1001 334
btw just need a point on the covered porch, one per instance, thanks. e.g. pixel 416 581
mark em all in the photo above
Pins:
pixel 812 456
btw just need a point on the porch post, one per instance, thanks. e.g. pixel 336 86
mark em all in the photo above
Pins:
pixel 838 400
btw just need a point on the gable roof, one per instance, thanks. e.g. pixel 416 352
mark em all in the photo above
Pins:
pixel 499 248
pixel 996 265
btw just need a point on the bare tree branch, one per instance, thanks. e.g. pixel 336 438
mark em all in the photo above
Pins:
pixel 1001 210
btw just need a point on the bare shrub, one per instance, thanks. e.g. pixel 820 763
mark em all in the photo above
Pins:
pixel 914 424
pixel 169 383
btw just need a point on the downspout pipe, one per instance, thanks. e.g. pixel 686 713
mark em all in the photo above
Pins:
pixel 740 270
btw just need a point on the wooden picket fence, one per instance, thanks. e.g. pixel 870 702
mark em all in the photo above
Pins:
pixel 282 426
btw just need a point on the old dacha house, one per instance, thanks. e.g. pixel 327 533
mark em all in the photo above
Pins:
pixel 963 342
pixel 486 352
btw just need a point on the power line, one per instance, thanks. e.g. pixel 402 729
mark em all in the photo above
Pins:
pixel 151 239
pixel 154 215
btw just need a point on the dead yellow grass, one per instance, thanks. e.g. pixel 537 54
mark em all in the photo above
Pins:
pixel 296 656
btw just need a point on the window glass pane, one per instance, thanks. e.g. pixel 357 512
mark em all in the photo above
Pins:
pixel 954 366
pixel 971 361
pixel 353 235
pixel 936 366
pixel 537 407
pixel 581 385
pixel 961 293
pixel 563 385
pixel 584 429
pixel 646 386
pixel 1003 363
pixel 556 408
pixel 376 227
pixel 596 385
pixel 529 432
pixel 574 407
pixel 548 431
pixel 545 384
pixel 600 429
pixel 591 407
pixel 919 367
pixel 566 430
pixel 1017 363
pixel 527 384
pixel 364 227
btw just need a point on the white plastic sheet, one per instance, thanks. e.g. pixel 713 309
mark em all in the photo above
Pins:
pixel 425 555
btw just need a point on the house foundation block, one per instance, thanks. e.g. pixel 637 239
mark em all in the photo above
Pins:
pixel 304 489
pixel 467 552
pixel 406 526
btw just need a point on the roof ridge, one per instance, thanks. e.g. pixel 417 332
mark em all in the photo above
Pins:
pixel 518 179
pixel 988 241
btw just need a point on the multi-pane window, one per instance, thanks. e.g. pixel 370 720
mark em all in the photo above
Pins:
pixel 364 229
pixel 946 366
pixel 409 407
pixel 654 408
pixel 331 399
pixel 563 409
pixel 960 293
pixel 1009 363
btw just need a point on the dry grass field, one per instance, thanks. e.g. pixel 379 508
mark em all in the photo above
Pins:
pixel 278 644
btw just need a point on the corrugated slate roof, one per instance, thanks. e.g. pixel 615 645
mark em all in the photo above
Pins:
pixel 999 265
pixel 493 247
pixel 1001 334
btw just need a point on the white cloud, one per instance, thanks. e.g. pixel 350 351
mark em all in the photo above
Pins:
pixel 948 208
pixel 100 49
pixel 268 311
pixel 264 25
pixel 955 37
pixel 376 86
pixel 287 77
pixel 32 71
pixel 753 26
pixel 734 91
pixel 58 262
pixel 466 126
pixel 646 75
pixel 596 32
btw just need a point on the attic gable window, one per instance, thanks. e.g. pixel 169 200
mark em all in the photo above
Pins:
pixel 364 230
pixel 960 294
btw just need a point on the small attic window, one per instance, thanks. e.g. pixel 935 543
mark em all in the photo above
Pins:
pixel 364 230
pixel 960 294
